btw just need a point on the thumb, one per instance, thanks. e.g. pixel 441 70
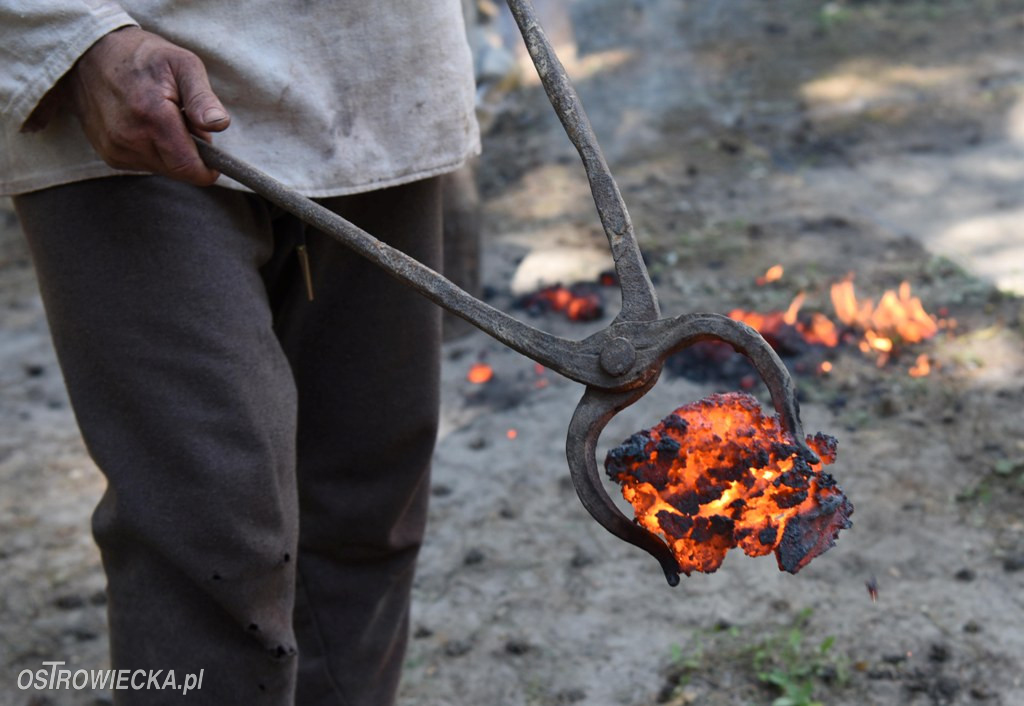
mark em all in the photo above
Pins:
pixel 201 106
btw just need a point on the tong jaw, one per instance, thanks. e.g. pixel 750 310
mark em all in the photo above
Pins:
pixel 658 340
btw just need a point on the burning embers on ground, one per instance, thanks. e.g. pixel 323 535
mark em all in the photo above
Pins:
pixel 718 474
pixel 884 330
pixel 582 301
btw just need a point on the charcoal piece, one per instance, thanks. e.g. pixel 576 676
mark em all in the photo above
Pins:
pixel 731 472
pixel 656 474
pixel 792 479
pixel 704 528
pixel 667 448
pixel 676 526
pixel 782 450
pixel 757 458
pixel 676 423
pixel 825 480
pixel 686 502
pixel 814 532
pixel 787 500
pixel 701 530
pixel 767 536
pixel 722 525
pixel 707 490
pixel 824 445
pixel 623 457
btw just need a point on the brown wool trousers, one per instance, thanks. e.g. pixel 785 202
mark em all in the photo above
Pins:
pixel 267 457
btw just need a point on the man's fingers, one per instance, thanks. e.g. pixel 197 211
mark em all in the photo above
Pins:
pixel 200 104
pixel 179 157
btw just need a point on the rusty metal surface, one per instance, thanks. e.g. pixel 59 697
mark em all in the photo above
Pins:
pixel 618 364
pixel 639 302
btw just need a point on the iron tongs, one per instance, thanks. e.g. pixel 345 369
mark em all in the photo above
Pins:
pixel 618 364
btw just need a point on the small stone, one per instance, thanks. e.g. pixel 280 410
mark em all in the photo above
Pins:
pixel 972 627
pixel 580 559
pixel 69 602
pixel 440 491
pixel 980 693
pixel 888 406
pixel 947 686
pixel 938 653
pixel 964 575
pixel 457 648
pixel 422 632
pixel 1013 563
pixel 518 647
pixel 570 696
pixel 472 557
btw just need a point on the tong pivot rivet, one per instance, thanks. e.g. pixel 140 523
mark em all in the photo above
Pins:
pixel 618 356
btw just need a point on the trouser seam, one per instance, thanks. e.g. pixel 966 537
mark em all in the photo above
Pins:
pixel 300 585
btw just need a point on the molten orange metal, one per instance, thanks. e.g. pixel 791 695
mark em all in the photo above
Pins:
pixel 718 474
pixel 479 373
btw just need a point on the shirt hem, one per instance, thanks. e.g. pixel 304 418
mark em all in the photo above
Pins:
pixel 314 192
pixel 100 170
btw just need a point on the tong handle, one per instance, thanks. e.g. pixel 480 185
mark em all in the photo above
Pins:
pixel 576 360
pixel 639 302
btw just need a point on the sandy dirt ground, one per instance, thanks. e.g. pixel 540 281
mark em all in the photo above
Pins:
pixel 881 138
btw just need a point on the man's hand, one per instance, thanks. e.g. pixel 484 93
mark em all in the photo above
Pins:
pixel 138 97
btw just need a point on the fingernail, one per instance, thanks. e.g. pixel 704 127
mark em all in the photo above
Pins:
pixel 214 115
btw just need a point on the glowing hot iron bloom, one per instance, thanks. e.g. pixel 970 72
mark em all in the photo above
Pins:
pixel 718 474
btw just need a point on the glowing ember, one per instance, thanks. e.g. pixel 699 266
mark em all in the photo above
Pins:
pixel 540 382
pixel 773 274
pixel 779 326
pixel 479 373
pixel 718 474
pixel 921 367
pixel 511 434
pixel 581 302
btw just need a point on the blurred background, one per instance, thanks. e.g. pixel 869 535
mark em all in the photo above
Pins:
pixel 856 162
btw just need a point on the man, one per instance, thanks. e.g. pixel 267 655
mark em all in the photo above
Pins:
pixel 267 456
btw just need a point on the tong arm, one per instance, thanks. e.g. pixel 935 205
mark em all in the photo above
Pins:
pixel 639 302
pixel 582 361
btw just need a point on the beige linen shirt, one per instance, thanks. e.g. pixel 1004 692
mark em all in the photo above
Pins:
pixel 330 97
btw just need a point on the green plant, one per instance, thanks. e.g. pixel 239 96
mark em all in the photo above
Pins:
pixel 785 662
